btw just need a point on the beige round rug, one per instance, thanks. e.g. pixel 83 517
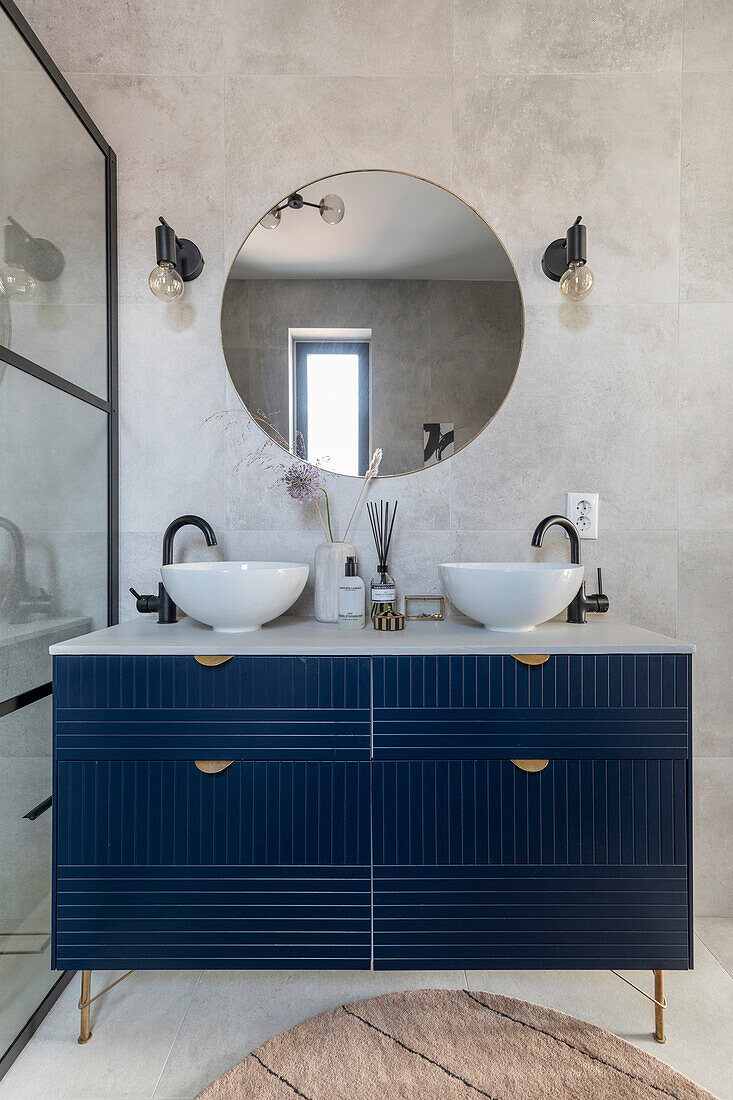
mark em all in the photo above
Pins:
pixel 452 1045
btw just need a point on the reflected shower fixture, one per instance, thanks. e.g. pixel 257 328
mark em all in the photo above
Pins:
pixel 564 262
pixel 28 261
pixel 331 208
pixel 178 261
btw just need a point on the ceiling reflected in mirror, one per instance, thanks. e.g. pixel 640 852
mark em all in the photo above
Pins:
pixel 372 309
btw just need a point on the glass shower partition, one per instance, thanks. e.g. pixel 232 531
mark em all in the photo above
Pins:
pixel 58 469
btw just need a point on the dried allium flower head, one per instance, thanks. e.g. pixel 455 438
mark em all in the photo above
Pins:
pixel 301 481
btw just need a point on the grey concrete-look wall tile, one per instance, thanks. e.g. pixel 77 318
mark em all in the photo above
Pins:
pixel 713 836
pixel 171 381
pixel 327 125
pixel 708 36
pixel 587 379
pixel 589 36
pixel 170 37
pixel 706 231
pixel 705 580
pixel 277 38
pixel 531 153
pixel 706 417
pixel 168 135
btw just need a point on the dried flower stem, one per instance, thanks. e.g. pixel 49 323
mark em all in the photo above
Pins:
pixel 371 472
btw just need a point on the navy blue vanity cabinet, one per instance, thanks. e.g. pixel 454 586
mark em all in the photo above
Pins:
pixel 478 863
pixel 375 811
pixel 264 864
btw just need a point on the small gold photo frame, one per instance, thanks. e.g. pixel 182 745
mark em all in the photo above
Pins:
pixel 425 609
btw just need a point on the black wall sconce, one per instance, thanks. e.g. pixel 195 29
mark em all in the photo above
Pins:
pixel 28 261
pixel 564 262
pixel 330 206
pixel 179 261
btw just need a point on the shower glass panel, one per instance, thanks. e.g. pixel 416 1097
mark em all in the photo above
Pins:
pixel 58 469
pixel 53 223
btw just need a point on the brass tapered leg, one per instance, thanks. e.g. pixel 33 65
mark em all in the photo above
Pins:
pixel 658 1007
pixel 84 1003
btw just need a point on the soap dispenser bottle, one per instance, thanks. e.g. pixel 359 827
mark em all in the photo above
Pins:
pixel 351 599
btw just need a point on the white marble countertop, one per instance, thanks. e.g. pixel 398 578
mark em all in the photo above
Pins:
pixel 290 636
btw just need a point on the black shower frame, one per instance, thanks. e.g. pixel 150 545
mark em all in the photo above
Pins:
pixel 108 406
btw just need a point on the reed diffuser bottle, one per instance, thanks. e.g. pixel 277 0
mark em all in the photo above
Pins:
pixel 382 589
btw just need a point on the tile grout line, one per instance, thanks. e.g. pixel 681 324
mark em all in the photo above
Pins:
pixel 681 135
pixel 175 1037
pixel 452 95
pixel 700 934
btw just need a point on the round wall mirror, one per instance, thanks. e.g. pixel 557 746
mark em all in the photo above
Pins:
pixel 372 309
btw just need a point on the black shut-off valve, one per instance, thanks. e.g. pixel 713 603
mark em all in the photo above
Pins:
pixel 599 599
pixel 146 604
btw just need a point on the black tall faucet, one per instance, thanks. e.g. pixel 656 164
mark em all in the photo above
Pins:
pixel 162 603
pixel 580 604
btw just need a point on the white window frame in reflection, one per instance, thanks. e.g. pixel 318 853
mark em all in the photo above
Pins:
pixel 330 398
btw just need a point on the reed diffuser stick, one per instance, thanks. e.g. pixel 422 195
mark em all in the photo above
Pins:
pixel 382 529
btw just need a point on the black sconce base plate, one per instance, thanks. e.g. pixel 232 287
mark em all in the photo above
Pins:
pixel 189 261
pixel 554 261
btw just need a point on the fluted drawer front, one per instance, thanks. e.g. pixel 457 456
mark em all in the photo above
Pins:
pixel 145 813
pixel 261 865
pixel 530 917
pixel 260 708
pixel 581 705
pixel 585 812
pixel 477 863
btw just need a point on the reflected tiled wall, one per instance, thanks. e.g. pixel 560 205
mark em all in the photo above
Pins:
pixel 534 112
pixel 440 350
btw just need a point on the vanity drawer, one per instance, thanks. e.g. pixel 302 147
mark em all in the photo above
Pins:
pixel 478 863
pixel 265 864
pixel 260 708
pixel 584 705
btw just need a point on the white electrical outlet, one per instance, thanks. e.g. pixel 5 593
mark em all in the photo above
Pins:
pixel 582 509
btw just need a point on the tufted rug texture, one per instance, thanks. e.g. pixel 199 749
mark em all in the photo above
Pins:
pixel 446 1044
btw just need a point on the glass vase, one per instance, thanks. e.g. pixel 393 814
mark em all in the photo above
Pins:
pixel 330 567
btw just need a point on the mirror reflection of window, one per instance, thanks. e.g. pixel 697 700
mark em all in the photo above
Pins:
pixel 331 391
pixel 409 268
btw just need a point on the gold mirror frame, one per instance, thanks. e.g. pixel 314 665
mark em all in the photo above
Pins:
pixel 423 179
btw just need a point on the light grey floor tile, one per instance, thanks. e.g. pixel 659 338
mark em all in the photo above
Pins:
pixel 234 1011
pixel 698 1020
pixel 133 1028
pixel 170 1030
pixel 717 935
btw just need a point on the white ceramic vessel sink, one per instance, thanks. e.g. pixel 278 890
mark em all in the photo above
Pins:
pixel 506 595
pixel 235 596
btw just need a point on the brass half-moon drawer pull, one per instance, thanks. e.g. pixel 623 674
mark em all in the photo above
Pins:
pixel 531 765
pixel 213 660
pixel 211 767
pixel 527 658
